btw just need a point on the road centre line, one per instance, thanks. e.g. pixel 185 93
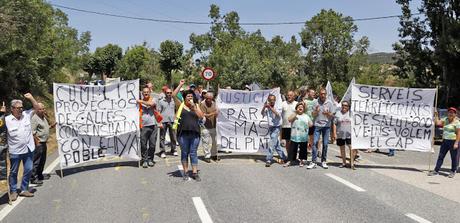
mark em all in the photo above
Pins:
pixel 417 218
pixel 341 180
pixel 201 209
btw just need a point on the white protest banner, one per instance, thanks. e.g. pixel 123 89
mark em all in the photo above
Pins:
pixel 347 95
pixel 392 118
pixel 330 96
pixel 109 81
pixel 240 124
pixel 96 121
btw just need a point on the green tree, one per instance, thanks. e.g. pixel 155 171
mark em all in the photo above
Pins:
pixel 104 60
pixel 332 53
pixel 429 47
pixel 36 46
pixel 171 53
pixel 140 62
pixel 241 57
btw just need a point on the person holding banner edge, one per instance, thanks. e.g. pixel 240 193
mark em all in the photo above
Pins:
pixel 274 127
pixel 450 141
pixel 149 127
pixel 188 129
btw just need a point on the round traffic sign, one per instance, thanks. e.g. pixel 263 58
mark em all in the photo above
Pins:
pixel 208 74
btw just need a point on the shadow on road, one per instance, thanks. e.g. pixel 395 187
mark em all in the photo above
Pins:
pixel 259 157
pixel 366 166
pixel 74 170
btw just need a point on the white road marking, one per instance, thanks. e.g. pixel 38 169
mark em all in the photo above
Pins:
pixel 51 167
pixel 341 180
pixel 8 208
pixel 201 209
pixel 417 218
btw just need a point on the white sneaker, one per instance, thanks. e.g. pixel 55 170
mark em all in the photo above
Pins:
pixel 175 153
pixel 324 165
pixel 163 155
pixel 312 165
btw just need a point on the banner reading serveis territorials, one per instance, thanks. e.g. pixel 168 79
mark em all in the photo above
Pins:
pixel 96 121
pixel 392 118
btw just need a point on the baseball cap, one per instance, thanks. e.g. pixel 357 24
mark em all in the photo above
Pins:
pixel 452 109
pixel 192 85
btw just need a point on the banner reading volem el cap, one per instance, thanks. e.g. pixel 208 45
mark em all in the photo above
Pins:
pixel 392 118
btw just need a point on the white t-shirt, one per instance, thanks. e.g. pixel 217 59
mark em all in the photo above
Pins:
pixel 20 138
pixel 287 110
pixel 343 123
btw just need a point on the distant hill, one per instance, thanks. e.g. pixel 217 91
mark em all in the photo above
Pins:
pixel 381 58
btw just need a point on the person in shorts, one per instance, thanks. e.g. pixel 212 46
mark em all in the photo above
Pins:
pixel 342 133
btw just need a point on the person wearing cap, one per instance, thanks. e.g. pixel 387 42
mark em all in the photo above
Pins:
pixel 166 106
pixel 163 92
pixel 203 94
pixel 208 132
pixel 450 141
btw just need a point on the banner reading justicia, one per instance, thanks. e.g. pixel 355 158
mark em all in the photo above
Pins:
pixel 392 118
pixel 96 121
pixel 240 124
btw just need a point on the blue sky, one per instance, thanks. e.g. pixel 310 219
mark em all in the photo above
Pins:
pixel 382 33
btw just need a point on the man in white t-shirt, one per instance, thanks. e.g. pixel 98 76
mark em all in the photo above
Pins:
pixel 288 108
pixel 21 145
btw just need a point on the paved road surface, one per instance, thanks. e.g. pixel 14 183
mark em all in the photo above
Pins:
pixel 240 189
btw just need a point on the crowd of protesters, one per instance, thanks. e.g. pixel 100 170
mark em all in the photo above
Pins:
pixel 308 123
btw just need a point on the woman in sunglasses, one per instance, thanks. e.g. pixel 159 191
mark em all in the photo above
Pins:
pixel 188 129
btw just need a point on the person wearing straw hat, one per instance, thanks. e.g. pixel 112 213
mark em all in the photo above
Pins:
pixel 450 141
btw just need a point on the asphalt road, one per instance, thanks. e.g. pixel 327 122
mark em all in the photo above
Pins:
pixel 240 189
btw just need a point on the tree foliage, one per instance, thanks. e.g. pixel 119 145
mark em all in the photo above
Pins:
pixel 332 52
pixel 104 60
pixel 241 57
pixel 143 63
pixel 429 47
pixel 171 53
pixel 36 43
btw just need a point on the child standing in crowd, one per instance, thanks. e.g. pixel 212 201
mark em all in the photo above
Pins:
pixel 301 122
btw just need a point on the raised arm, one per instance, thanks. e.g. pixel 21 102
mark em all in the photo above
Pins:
pixel 31 98
pixel 176 91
